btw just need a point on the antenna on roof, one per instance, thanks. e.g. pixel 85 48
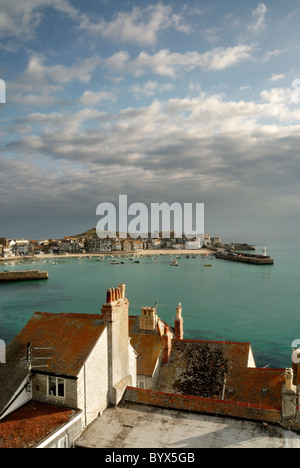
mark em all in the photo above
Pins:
pixel 30 359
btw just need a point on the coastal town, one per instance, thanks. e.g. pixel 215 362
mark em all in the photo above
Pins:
pixel 90 243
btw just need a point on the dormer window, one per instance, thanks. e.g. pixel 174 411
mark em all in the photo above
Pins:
pixel 56 387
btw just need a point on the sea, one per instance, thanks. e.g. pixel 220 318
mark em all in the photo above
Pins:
pixel 224 302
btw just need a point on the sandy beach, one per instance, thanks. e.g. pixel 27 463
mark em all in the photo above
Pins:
pixel 153 253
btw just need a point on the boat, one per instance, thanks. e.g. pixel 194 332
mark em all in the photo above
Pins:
pixel 174 263
pixel 208 265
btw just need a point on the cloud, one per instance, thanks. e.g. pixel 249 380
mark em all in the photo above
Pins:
pixel 273 53
pixel 212 35
pixel 150 89
pixel 79 71
pixel 154 137
pixel 259 15
pixel 222 152
pixel 139 26
pixel 40 84
pixel 277 77
pixel 90 97
pixel 20 19
pixel 166 63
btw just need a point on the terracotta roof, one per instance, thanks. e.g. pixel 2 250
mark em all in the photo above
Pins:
pixel 257 386
pixel 147 345
pixel 69 337
pixel 148 348
pixel 206 369
pixel 33 422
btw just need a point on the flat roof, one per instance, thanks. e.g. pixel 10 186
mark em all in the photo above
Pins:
pixel 139 426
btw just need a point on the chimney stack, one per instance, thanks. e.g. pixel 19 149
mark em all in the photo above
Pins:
pixel 115 315
pixel 179 323
pixel 167 345
pixel 148 319
pixel 289 377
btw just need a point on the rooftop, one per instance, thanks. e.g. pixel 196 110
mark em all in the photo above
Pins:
pixel 219 370
pixel 30 424
pixel 148 347
pixel 69 338
pixel 139 426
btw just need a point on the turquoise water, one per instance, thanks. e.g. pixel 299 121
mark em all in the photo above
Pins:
pixel 229 301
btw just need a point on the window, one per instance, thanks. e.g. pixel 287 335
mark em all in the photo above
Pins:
pixel 56 387
pixel 140 384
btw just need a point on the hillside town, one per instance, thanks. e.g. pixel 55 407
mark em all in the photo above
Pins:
pixel 90 243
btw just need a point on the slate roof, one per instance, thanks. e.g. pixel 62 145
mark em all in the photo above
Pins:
pixel 69 337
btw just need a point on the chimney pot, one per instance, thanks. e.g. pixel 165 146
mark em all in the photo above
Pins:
pixel 179 324
pixel 113 295
pixel 109 296
pixel 122 290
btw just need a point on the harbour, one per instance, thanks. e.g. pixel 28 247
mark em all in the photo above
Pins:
pixel 231 301
pixel 246 258
pixel 28 275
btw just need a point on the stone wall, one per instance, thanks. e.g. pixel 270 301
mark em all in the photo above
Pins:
pixel 23 275
pixel 204 405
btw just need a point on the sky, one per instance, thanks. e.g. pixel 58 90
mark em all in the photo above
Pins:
pixel 192 102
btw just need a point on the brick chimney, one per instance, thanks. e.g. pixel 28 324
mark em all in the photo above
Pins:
pixel 167 344
pixel 179 324
pixel 113 300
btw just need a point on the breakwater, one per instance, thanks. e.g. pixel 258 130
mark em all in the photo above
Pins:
pixel 246 258
pixel 28 275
